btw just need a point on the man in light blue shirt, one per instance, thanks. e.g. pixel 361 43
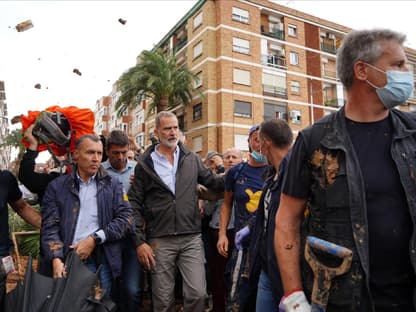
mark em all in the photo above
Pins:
pixel 117 165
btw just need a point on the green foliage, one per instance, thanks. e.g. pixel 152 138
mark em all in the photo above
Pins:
pixel 159 78
pixel 28 244
pixel 14 139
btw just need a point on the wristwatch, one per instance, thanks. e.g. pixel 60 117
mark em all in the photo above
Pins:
pixel 97 239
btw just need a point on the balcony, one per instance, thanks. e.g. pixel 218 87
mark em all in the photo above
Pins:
pixel 126 119
pixel 329 48
pixel 180 44
pixel 334 102
pixel 275 91
pixel 329 73
pixel 275 61
pixel 277 34
pixel 105 118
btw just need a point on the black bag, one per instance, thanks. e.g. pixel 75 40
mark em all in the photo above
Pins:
pixel 78 291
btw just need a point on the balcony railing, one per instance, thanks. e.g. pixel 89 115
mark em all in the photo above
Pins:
pixel 278 34
pixel 275 91
pixel 335 102
pixel 181 44
pixel 274 61
pixel 330 48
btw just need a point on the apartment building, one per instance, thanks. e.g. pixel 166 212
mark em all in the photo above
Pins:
pixel 255 60
pixel 4 129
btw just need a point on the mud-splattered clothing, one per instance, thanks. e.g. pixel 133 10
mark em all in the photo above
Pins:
pixel 60 209
pixel 245 182
pixel 325 169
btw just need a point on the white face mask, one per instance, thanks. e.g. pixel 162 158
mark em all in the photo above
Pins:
pixel 398 89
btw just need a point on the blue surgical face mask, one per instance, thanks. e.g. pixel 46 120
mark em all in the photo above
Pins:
pixel 398 89
pixel 258 157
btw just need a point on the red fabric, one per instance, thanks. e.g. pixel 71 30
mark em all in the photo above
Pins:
pixel 81 121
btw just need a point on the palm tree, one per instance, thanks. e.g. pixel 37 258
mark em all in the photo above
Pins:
pixel 156 76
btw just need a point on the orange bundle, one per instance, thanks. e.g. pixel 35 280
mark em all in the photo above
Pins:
pixel 81 121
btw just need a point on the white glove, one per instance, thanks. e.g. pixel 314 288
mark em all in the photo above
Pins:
pixel 295 302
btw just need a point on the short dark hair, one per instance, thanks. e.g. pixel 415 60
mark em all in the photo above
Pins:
pixel 117 137
pixel 278 131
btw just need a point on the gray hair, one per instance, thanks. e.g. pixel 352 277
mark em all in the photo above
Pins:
pixel 233 149
pixel 362 45
pixel 82 138
pixel 163 114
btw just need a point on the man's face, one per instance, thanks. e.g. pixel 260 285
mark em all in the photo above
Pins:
pixel 393 58
pixel 130 155
pixel 89 155
pixel 117 155
pixel 232 158
pixel 168 132
pixel 254 142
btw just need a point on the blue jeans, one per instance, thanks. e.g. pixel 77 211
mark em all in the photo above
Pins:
pixel 265 300
pixel 130 278
pixel 105 275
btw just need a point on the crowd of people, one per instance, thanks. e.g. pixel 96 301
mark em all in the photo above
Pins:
pixel 236 230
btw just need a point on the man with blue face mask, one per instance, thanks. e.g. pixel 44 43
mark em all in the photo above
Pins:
pixel 243 188
pixel 354 170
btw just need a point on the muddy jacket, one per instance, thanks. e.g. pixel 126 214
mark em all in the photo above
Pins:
pixel 340 215
pixel 60 209
pixel 163 212
pixel 258 235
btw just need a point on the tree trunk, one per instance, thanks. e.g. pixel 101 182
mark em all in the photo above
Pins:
pixel 163 104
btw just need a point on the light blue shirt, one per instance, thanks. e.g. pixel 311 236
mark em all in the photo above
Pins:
pixel 124 175
pixel 165 170
pixel 87 222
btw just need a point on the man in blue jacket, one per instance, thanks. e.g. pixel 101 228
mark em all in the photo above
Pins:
pixel 87 211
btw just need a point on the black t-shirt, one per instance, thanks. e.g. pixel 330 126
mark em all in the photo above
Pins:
pixel 9 193
pixel 389 222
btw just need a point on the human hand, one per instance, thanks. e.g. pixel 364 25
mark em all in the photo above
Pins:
pixel 146 256
pixel 84 247
pixel 222 245
pixel 294 302
pixel 58 268
pixel 31 138
pixel 239 237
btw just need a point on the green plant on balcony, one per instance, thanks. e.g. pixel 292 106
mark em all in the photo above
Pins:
pixel 331 102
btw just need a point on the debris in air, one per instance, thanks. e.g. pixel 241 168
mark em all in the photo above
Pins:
pixel 122 21
pixel 76 71
pixel 38 86
pixel 23 26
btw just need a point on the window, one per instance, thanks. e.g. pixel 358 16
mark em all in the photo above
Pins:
pixel 295 87
pixel 241 76
pixel 294 58
pixel 197 144
pixel 240 141
pixel 140 140
pixel 292 30
pixel 241 45
pixel 198 20
pixel 240 15
pixel 198 49
pixel 198 80
pixel 275 111
pixel 242 109
pixel 197 112
pixel 275 84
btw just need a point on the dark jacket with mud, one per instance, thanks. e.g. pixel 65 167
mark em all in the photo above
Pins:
pixel 264 237
pixel 337 203
pixel 60 209
pixel 162 212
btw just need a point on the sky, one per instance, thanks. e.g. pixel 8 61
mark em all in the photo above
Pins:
pixel 86 35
